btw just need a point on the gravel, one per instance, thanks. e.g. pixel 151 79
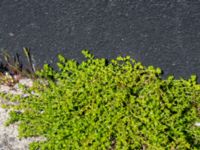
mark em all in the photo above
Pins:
pixel 9 135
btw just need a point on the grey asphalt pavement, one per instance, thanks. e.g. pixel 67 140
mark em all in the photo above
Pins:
pixel 165 34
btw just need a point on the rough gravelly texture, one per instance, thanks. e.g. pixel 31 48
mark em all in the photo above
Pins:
pixel 164 33
pixel 9 135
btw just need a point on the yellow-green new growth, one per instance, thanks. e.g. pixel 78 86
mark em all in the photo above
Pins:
pixel 110 104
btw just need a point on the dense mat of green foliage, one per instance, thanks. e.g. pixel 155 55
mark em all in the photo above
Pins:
pixel 110 105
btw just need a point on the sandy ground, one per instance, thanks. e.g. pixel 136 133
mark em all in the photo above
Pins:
pixel 9 135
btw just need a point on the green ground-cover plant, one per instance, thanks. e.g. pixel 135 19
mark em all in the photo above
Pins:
pixel 109 105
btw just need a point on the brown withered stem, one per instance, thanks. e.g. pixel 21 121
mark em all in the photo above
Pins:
pixel 12 69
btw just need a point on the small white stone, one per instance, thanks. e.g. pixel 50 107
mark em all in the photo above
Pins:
pixel 4 88
pixel 27 82
pixel 11 34
pixel 25 95
pixel 197 124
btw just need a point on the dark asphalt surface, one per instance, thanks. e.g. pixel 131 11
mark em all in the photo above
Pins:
pixel 165 33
